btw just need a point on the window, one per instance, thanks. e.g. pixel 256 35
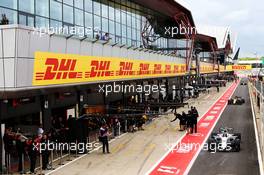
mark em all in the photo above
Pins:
pixel 78 17
pixel 55 10
pixel 104 25
pixel 129 32
pixel 55 24
pixel 111 11
pixel 26 6
pixel 42 8
pixel 68 14
pixel 9 3
pixel 88 20
pixel 88 5
pixel 42 22
pixel 26 19
pixel 97 23
pixel 10 14
pixel 129 20
pixel 97 8
pixel 111 27
pixel 123 14
pixel 118 29
pixel 117 16
pixel 69 2
pixel 78 4
pixel 105 11
pixel 124 31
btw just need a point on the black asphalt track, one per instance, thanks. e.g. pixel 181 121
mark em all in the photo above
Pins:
pixel 244 162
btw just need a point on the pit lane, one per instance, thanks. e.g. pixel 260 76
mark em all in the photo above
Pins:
pixel 244 162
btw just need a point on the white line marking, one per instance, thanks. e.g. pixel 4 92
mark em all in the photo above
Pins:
pixel 256 135
pixel 209 117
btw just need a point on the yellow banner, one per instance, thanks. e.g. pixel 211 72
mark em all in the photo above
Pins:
pixel 53 68
pixel 239 67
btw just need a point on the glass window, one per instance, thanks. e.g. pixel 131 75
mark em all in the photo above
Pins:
pixel 31 21
pixel 78 4
pixel 124 40
pixel 26 6
pixel 55 10
pixel 117 15
pixel 42 22
pixel 70 2
pixel 97 23
pixel 129 42
pixel 133 22
pixel 55 24
pixel 128 32
pixel 105 24
pixel 111 27
pixel 88 20
pixel 134 34
pixel 79 17
pixel 105 11
pixel 97 8
pixel 111 11
pixel 10 14
pixel 88 5
pixel 118 29
pixel 129 20
pixel 123 14
pixel 68 14
pixel 22 19
pixel 42 8
pixel 124 31
pixel 138 33
pixel 9 3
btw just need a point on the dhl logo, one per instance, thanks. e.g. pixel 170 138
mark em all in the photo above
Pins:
pixel 125 68
pixel 144 69
pixel 59 69
pixel 157 69
pixel 99 69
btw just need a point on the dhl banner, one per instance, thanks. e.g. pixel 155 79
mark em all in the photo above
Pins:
pixel 239 67
pixel 53 68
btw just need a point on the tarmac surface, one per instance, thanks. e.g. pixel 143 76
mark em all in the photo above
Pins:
pixel 244 162
pixel 136 153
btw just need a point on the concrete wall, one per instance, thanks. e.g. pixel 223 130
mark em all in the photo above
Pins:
pixel 19 43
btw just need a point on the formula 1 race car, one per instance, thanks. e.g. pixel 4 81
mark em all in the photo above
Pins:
pixel 243 83
pixel 236 101
pixel 224 140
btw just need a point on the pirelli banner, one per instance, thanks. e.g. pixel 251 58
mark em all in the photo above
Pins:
pixel 53 68
pixel 239 67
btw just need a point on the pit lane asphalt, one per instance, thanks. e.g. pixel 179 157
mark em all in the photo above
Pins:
pixel 244 162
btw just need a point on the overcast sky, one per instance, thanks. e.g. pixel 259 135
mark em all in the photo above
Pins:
pixel 244 17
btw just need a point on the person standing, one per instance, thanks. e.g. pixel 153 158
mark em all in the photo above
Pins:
pixel 20 151
pixel 195 118
pixel 104 137
pixel 189 122
pixel 45 153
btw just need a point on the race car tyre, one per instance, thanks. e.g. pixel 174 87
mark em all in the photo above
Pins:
pixel 238 135
pixel 211 145
pixel 237 145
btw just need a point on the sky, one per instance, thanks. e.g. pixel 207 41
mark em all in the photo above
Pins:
pixel 244 17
